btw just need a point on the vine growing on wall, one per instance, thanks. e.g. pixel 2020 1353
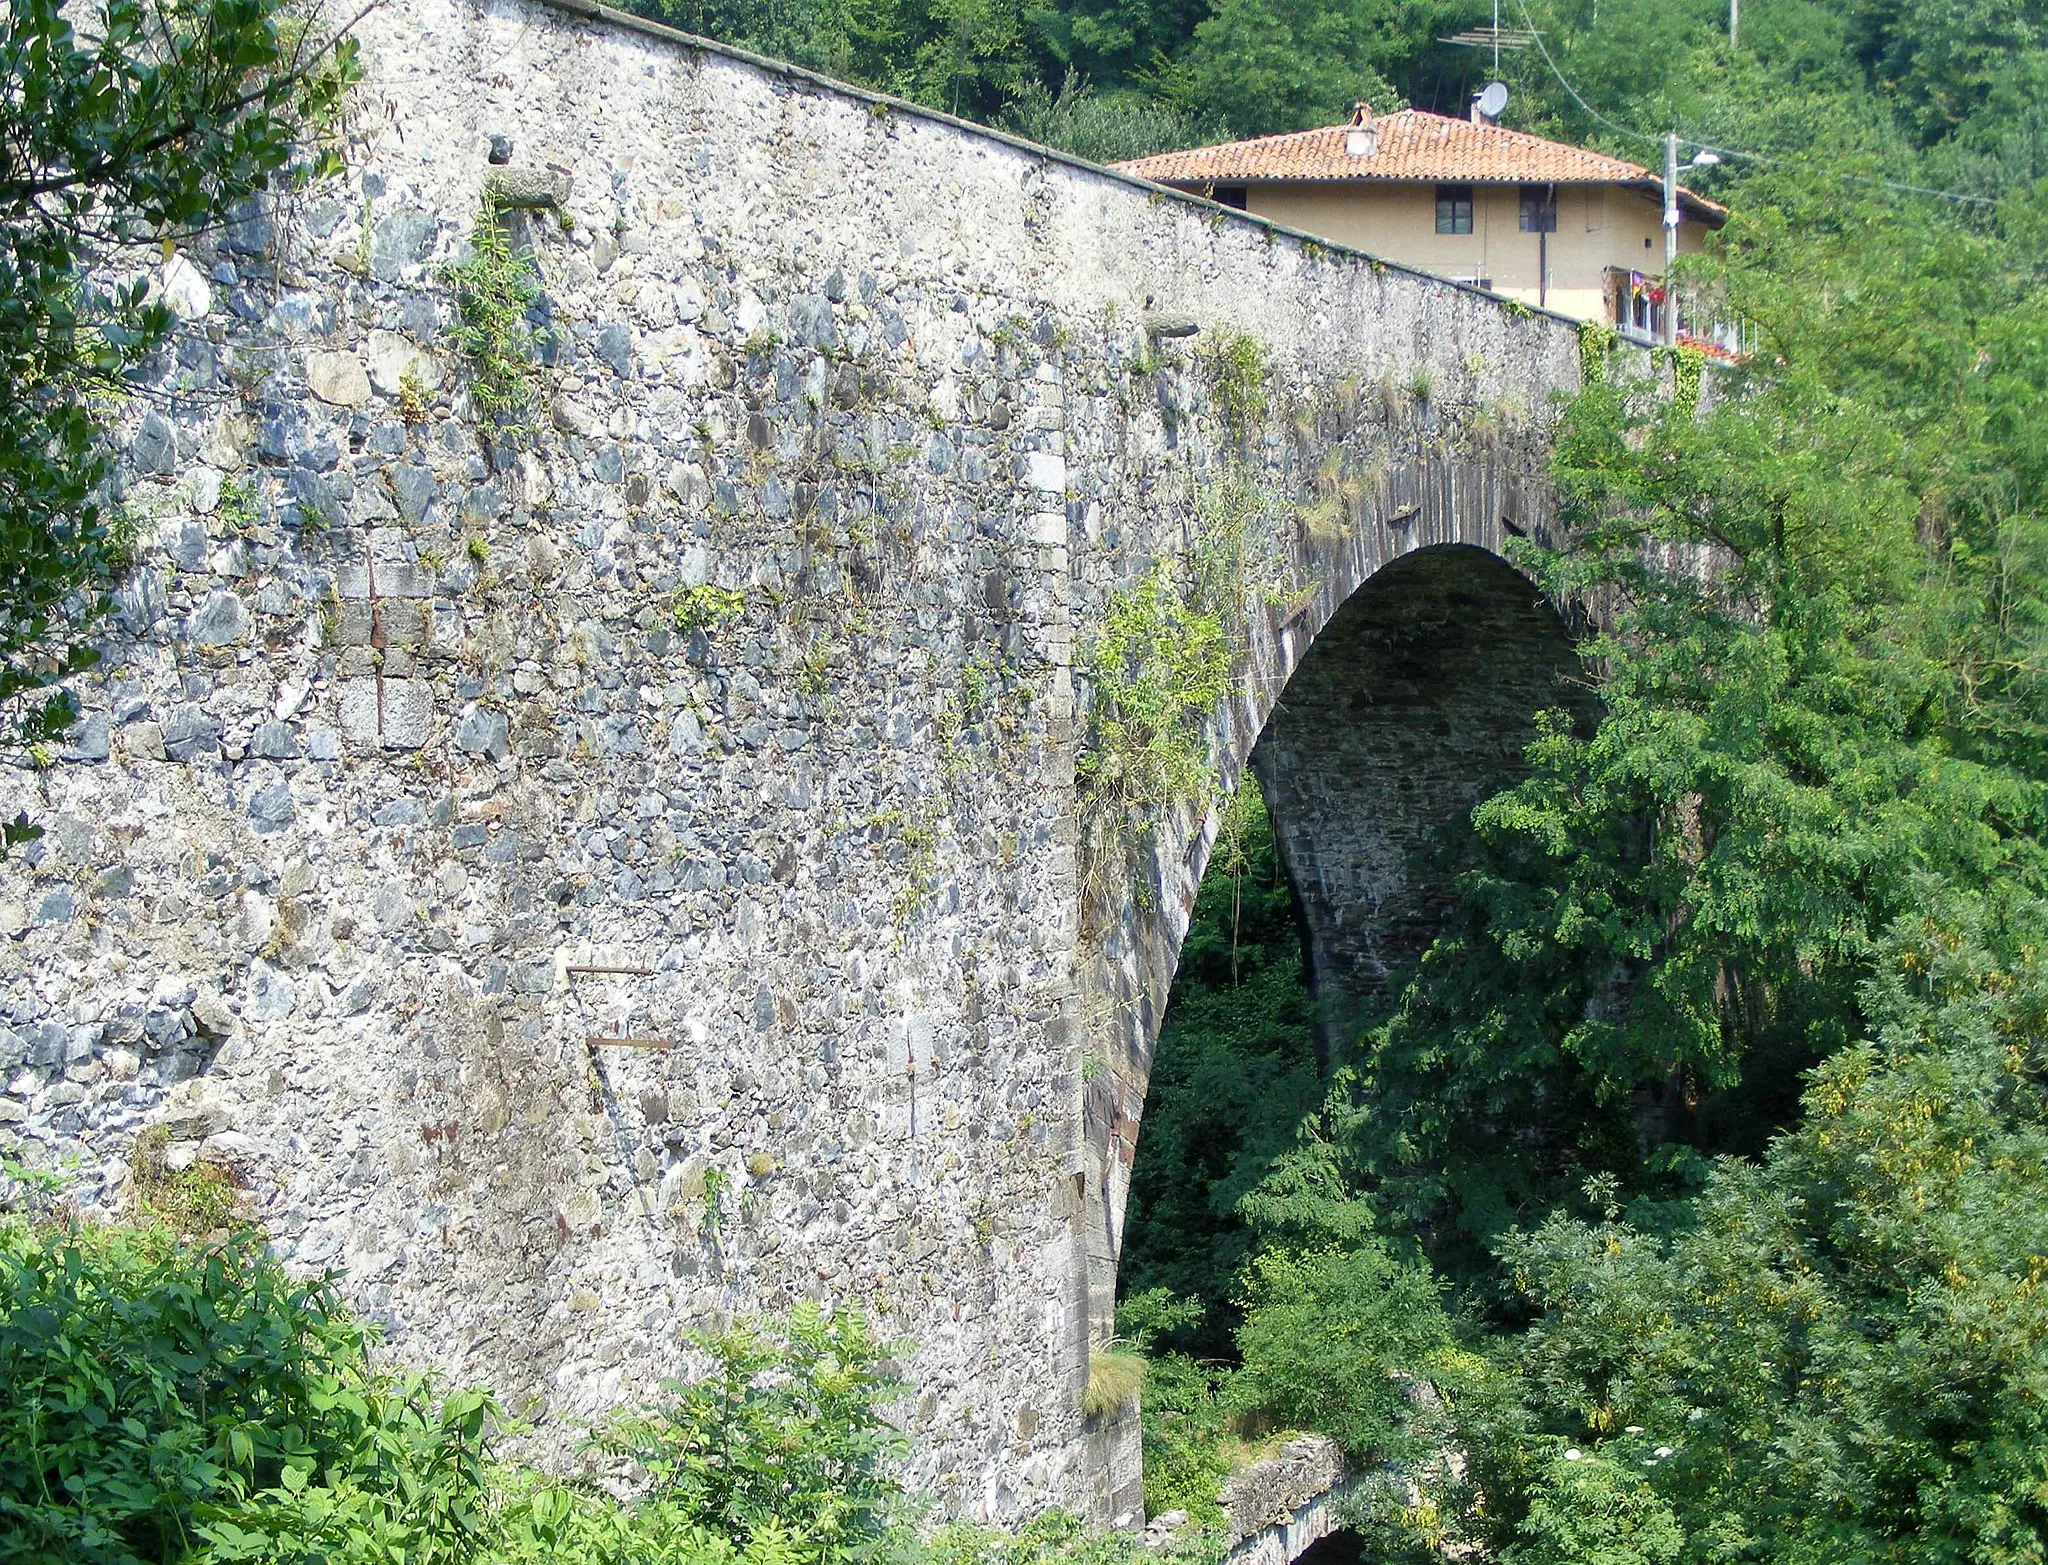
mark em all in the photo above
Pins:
pixel 1159 668
pixel 494 288
pixel 1687 367
pixel 1239 374
pixel 1596 341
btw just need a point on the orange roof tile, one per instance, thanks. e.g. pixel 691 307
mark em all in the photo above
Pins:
pixel 1410 146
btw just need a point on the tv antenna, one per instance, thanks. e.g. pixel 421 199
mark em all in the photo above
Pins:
pixel 1495 37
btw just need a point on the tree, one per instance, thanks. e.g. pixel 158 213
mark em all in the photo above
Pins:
pixel 1274 65
pixel 125 125
pixel 1672 917
pixel 1842 1358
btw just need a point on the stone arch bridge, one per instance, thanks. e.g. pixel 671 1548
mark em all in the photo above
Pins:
pixel 597 877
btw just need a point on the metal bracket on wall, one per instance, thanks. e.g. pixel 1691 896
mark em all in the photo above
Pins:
pixel 593 1039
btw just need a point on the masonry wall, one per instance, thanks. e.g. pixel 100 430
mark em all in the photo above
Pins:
pixel 400 725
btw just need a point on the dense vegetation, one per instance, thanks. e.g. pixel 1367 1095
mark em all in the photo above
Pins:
pixel 1698 1164
pixel 180 1399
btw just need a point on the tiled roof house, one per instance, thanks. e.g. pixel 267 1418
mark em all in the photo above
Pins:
pixel 1537 220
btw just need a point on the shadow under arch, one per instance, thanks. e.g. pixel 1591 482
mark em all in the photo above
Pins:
pixel 1410 702
pixel 1415 702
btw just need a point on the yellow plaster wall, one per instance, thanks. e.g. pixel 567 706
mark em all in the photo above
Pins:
pixel 1597 227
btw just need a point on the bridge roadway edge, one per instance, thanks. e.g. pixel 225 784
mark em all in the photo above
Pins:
pixel 398 726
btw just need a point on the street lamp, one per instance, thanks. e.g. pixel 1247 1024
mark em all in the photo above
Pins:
pixel 1672 170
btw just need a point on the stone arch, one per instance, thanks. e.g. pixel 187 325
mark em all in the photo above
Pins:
pixel 1374 719
pixel 1417 700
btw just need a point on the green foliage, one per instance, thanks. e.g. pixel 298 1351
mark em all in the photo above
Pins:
pixel 1113 1380
pixel 1187 1442
pixel 1233 1075
pixel 148 123
pixel 1105 127
pixel 1188 1447
pixel 1596 342
pixel 1329 1341
pixel 1225 571
pixel 1672 917
pixel 1592 1511
pixel 168 1402
pixel 1158 670
pixel 1687 365
pixel 1836 1360
pixel 193 1202
pixel 412 403
pixel 1057 1538
pixel 713 1215
pixel 707 608
pixel 1239 374
pixel 178 1404
pixel 495 286
pixel 1719 1098
pixel 783 1438
pixel 1271 65
pixel 240 506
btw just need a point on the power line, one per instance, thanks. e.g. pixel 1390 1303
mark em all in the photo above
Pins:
pixel 1860 179
pixel 1726 152
pixel 1544 49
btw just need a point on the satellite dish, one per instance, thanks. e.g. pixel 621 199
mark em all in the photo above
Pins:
pixel 1493 99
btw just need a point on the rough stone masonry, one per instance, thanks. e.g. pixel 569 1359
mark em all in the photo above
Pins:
pixel 733 707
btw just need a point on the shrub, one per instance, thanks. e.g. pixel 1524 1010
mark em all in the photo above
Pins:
pixel 176 1404
pixel 1326 1337
pixel 1591 1511
pixel 173 1402
pixel 494 288
pixel 783 1442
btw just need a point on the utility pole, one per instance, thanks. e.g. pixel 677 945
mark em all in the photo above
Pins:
pixel 1734 17
pixel 1670 238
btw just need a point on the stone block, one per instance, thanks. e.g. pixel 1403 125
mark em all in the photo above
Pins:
pixel 391 357
pixel 398 716
pixel 220 621
pixel 190 733
pixel 484 733
pixel 271 810
pixel 394 579
pixel 274 741
pixel 155 446
pixel 1045 471
pixel 338 378
pixel 526 189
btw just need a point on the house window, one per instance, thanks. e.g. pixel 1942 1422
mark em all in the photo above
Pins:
pixel 1454 209
pixel 1539 209
pixel 1230 195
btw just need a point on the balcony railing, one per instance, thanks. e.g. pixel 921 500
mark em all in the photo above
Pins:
pixel 1636 303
